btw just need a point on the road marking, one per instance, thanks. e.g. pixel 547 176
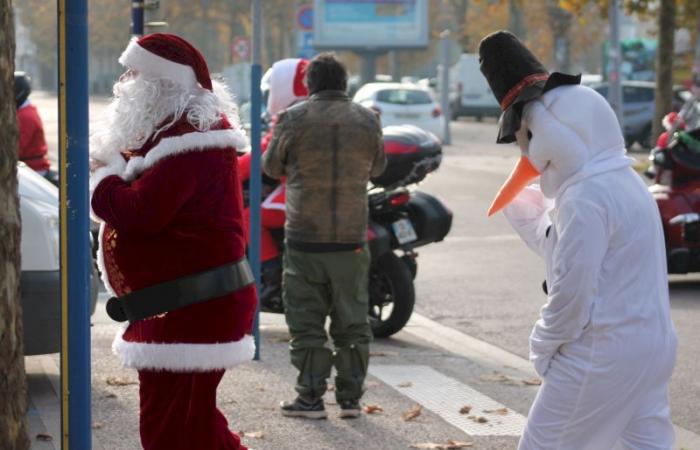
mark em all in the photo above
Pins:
pixel 477 239
pixel 489 355
pixel 446 396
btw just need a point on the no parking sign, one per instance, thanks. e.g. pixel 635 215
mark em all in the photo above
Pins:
pixel 240 49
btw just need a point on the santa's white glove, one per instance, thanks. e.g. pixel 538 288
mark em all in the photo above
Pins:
pixel 528 214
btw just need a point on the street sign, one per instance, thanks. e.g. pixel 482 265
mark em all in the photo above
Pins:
pixel 305 44
pixel 240 48
pixel 305 18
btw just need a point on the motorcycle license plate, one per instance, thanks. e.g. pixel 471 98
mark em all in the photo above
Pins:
pixel 404 232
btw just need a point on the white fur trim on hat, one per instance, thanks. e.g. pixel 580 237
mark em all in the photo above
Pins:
pixel 196 141
pixel 183 357
pixel 281 80
pixel 138 58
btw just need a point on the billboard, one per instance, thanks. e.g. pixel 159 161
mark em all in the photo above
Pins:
pixel 370 24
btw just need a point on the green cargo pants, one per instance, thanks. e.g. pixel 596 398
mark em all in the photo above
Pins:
pixel 316 285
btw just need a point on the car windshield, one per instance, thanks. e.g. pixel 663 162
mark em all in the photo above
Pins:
pixel 404 97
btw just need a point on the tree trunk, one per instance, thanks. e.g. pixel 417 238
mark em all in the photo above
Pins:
pixel 664 64
pixel 516 24
pixel 560 23
pixel 13 388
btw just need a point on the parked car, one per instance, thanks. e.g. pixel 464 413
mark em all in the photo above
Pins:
pixel 40 280
pixel 638 108
pixel 403 104
pixel 474 96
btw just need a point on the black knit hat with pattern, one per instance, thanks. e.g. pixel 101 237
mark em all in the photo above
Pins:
pixel 515 76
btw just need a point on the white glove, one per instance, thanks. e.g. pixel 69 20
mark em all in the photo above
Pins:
pixel 528 214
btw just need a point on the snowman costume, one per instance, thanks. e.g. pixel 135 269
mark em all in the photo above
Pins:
pixel 604 345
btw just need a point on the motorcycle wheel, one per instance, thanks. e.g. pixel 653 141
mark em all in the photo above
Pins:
pixel 391 295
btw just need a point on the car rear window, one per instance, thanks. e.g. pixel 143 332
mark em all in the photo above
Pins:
pixel 404 97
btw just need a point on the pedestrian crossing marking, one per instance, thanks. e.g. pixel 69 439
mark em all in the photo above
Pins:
pixel 446 396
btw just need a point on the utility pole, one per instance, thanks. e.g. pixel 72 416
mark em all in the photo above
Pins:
pixel 615 58
pixel 444 71
pixel 255 167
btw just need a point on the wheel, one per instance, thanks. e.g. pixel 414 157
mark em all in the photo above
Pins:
pixel 391 295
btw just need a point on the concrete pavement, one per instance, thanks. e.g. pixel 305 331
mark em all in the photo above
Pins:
pixel 426 364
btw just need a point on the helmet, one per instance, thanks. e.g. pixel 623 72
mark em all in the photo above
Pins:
pixel 23 86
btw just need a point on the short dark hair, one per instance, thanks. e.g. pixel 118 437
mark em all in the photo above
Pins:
pixel 326 72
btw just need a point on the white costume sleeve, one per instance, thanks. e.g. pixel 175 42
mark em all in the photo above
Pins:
pixel 528 214
pixel 574 267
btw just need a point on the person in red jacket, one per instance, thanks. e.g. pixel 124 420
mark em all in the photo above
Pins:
pixel 165 187
pixel 286 81
pixel 32 144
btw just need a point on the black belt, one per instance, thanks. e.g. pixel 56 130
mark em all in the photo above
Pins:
pixel 175 294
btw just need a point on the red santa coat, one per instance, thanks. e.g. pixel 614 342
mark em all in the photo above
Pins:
pixel 171 209
pixel 32 143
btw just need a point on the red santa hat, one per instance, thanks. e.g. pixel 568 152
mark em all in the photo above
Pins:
pixel 286 81
pixel 162 55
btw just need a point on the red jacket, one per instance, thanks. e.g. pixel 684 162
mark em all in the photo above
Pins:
pixel 175 209
pixel 32 144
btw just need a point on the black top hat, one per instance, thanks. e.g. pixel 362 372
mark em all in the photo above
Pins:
pixel 515 77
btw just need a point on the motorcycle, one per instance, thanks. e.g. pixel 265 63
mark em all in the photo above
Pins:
pixel 401 219
pixel 675 171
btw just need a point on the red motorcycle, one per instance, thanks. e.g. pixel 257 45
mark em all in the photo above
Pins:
pixel 676 189
pixel 401 219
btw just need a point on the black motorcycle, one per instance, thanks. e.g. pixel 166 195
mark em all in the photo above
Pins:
pixel 400 220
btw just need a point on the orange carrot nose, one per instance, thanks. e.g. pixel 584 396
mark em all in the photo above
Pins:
pixel 522 174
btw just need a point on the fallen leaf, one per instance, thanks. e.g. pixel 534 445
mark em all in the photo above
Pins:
pixel 532 382
pixel 119 381
pixel 449 445
pixel 499 411
pixel 44 437
pixel 97 425
pixel 497 377
pixel 412 413
pixel 110 395
pixel 405 384
pixel 372 409
pixel 481 419
pixel 465 409
pixel 251 434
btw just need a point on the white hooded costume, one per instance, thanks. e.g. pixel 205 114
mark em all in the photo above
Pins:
pixel 604 345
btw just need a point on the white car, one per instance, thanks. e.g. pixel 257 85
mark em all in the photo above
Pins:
pixel 474 97
pixel 40 280
pixel 403 104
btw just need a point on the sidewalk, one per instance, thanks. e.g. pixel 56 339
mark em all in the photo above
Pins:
pixel 427 364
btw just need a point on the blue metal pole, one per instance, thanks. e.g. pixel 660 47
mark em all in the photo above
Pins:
pixel 75 245
pixel 137 17
pixel 255 168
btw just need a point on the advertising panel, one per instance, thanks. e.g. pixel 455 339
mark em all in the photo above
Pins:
pixel 370 24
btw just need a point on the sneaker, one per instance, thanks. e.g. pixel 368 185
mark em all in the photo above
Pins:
pixel 303 408
pixel 350 409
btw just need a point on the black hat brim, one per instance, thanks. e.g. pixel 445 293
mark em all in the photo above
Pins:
pixel 509 122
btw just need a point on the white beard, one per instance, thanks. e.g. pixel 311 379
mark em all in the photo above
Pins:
pixel 141 107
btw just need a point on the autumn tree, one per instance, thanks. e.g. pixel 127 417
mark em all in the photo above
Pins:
pixel 13 388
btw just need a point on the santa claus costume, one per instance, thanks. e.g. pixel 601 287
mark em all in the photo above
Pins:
pixel 166 188
pixel 604 345
pixel 285 80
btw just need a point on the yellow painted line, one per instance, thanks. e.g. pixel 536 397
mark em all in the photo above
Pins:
pixel 63 217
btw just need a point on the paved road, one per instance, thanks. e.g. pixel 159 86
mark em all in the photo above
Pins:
pixel 482 281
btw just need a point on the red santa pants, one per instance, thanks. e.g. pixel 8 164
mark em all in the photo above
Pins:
pixel 178 412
